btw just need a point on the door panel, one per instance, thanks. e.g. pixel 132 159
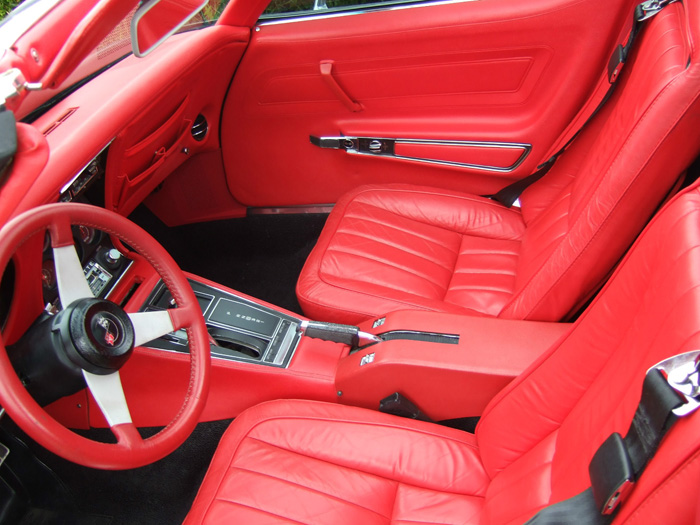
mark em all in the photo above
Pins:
pixel 494 71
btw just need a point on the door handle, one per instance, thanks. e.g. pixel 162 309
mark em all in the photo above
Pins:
pixel 364 145
pixel 329 79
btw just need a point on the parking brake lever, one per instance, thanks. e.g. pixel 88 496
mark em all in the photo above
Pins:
pixel 338 333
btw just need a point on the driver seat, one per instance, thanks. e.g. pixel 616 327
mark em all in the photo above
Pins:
pixel 319 463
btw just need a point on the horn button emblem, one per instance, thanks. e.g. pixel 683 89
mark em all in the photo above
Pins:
pixel 106 329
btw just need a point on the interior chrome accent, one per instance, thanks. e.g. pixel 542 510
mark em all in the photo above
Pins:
pixel 292 210
pixel 385 147
pixel 237 323
pixel 12 83
pixel 4 452
pixel 84 171
pixel 298 16
pixel 199 128
pixel 682 372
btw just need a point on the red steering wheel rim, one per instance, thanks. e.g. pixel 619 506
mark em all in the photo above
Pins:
pixel 130 451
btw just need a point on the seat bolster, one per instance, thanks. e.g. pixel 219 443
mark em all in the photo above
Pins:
pixel 315 453
pixel 463 213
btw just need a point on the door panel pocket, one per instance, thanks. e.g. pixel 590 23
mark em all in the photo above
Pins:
pixel 136 164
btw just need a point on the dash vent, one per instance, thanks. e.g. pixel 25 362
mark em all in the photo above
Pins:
pixel 200 128
pixel 60 120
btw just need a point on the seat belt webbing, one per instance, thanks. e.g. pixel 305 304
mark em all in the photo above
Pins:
pixel 644 11
pixel 671 390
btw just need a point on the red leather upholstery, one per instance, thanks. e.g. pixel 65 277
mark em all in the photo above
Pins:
pixel 310 462
pixel 394 247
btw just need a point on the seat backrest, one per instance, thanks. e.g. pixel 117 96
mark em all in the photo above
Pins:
pixel 539 435
pixel 588 209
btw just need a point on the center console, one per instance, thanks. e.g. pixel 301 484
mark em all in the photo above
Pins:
pixel 448 365
pixel 239 329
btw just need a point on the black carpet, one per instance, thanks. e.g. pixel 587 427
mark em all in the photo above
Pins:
pixel 159 494
pixel 261 255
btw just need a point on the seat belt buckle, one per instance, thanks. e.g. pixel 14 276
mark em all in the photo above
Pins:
pixel 682 372
pixel 612 474
pixel 617 60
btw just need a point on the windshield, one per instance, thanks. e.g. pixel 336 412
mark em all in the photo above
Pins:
pixel 118 43
pixel 115 46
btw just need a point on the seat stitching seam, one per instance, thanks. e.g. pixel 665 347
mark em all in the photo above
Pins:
pixel 363 471
pixel 400 248
pixel 397 227
pixel 473 232
pixel 310 489
pixel 229 502
pixel 389 264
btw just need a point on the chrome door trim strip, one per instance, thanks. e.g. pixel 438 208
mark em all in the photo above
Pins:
pixel 385 147
pixel 301 16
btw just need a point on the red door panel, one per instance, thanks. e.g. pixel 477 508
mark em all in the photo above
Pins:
pixel 495 71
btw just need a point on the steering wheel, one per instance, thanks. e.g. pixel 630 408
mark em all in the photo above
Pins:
pixel 101 322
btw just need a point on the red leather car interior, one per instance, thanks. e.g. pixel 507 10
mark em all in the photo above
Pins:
pixel 499 71
pixel 394 247
pixel 311 462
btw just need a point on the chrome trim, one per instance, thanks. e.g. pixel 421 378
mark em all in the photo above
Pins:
pixel 292 210
pixel 286 345
pixel 313 15
pixel 682 372
pixel 109 292
pixel 288 354
pixel 386 149
pixel 453 338
pixel 468 143
pixel 4 452
pixel 238 328
pixel 67 186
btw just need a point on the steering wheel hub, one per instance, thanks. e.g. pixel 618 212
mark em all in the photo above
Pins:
pixel 100 334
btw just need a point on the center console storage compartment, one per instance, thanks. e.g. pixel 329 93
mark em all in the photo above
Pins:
pixel 446 381
pixel 239 329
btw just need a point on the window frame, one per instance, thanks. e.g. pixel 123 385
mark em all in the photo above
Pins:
pixel 333 12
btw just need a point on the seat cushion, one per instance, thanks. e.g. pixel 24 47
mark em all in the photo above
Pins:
pixel 394 247
pixel 318 463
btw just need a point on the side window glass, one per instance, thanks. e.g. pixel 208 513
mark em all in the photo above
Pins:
pixel 286 8
pixel 207 16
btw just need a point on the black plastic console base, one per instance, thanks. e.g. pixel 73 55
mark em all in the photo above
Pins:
pixel 239 329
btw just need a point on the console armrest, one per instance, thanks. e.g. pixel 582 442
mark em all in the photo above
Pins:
pixel 445 381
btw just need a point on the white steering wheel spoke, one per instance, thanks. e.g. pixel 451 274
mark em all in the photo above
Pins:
pixel 150 325
pixel 109 394
pixel 70 277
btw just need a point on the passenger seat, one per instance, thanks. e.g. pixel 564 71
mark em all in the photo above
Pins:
pixel 394 247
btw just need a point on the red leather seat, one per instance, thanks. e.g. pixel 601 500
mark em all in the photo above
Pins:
pixel 317 463
pixel 387 248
